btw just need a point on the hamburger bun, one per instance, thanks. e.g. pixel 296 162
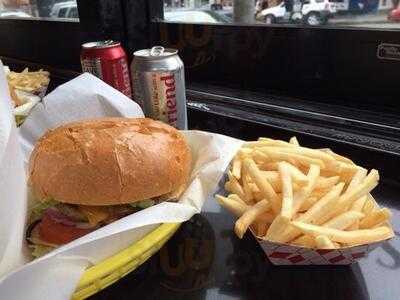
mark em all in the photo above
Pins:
pixel 109 161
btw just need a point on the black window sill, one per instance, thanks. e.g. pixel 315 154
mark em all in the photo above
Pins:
pixel 363 135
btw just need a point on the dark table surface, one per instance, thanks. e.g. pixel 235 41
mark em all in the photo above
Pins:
pixel 205 260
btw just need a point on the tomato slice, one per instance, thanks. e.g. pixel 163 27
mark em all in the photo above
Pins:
pixel 56 233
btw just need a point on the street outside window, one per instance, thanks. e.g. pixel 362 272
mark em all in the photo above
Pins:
pixel 39 8
pixel 383 14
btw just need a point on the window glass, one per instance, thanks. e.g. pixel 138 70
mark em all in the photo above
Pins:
pixel 38 8
pixel 190 16
pixel 383 14
pixel 73 13
pixel 62 12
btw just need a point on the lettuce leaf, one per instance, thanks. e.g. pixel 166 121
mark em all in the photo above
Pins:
pixel 36 211
pixel 19 120
pixel 40 250
pixel 143 204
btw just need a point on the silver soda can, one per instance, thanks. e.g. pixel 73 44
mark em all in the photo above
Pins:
pixel 159 85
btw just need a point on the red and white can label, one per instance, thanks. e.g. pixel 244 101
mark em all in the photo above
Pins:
pixel 92 66
pixel 114 72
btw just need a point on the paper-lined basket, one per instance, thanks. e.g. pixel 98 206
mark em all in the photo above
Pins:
pixel 121 264
pixel 284 254
pixel 94 261
pixel 279 228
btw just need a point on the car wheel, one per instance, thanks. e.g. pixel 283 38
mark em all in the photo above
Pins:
pixel 216 7
pixel 314 19
pixel 269 19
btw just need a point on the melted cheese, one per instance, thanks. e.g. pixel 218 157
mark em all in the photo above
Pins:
pixel 94 214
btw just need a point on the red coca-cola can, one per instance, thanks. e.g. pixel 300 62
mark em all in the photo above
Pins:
pixel 107 60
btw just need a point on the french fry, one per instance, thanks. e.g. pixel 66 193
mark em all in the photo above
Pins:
pixel 228 187
pixel 263 185
pixel 285 156
pixel 266 218
pixel 359 204
pixel 293 140
pixel 362 236
pixel 258 196
pixel 237 167
pixel 275 181
pixel 345 220
pixel 376 217
pixel 237 207
pixel 271 176
pixel 260 158
pixel 304 241
pixel 369 205
pixel 236 198
pixel 348 198
pixel 341 222
pixel 297 175
pixel 368 183
pixel 344 169
pixel 319 193
pixel 265 142
pixel 261 228
pixel 245 153
pixel 272 142
pixel 330 173
pixel 235 187
pixel 269 166
pixel 339 157
pixel 322 207
pixel 287 191
pixel 250 215
pixel 301 195
pixel 302 151
pixel 323 242
pixel 313 215
pixel 248 193
pixel 276 229
pixel 310 201
pixel 326 182
pixel 254 188
pixel 357 179
pixel 231 205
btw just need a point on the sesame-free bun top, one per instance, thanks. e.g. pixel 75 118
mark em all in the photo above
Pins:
pixel 109 161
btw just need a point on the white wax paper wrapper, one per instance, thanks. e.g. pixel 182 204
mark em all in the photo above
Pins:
pixel 12 186
pixel 55 275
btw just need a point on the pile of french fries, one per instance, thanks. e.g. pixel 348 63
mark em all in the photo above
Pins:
pixel 305 197
pixel 25 83
pixel 28 81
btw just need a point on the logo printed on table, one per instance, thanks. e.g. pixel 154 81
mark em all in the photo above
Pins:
pixel 387 51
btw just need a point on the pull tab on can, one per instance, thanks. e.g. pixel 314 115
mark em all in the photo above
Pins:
pixel 157 51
